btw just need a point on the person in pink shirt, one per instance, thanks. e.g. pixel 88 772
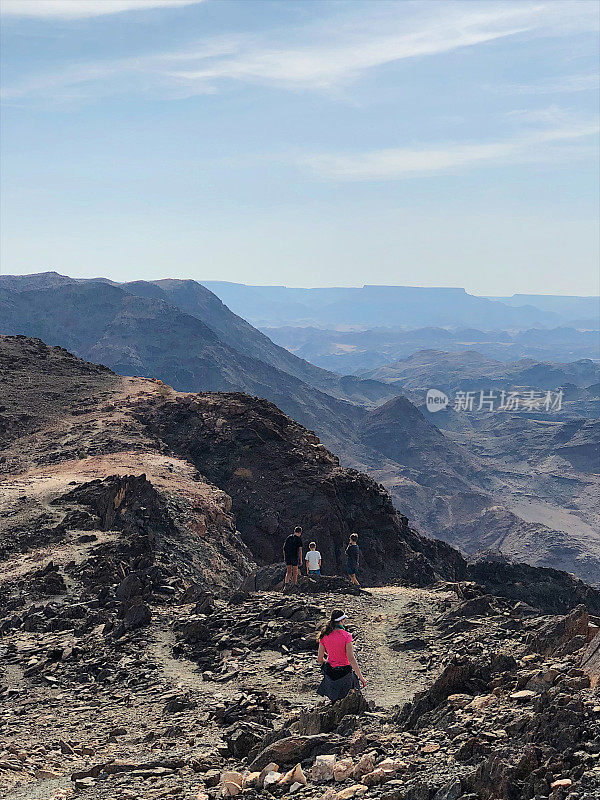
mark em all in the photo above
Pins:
pixel 341 673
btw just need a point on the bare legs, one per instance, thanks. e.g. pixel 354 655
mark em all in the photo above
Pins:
pixel 291 574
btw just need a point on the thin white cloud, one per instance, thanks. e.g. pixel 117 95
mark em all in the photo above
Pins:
pixel 566 84
pixel 402 162
pixel 323 56
pixel 77 9
pixel 342 53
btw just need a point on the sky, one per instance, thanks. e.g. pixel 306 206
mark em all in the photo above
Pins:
pixel 332 143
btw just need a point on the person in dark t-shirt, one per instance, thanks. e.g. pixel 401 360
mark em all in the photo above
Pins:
pixel 292 555
pixel 352 556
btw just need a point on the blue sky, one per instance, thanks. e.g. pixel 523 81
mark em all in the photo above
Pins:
pixel 303 143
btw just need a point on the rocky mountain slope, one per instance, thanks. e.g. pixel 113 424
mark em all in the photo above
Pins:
pixel 442 484
pixel 143 653
pixel 139 336
pixel 63 416
pixel 194 300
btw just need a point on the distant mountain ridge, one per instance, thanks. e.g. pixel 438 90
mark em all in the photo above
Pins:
pixel 471 369
pixel 356 352
pixel 407 306
pixel 195 300
pixel 106 324
pixel 569 307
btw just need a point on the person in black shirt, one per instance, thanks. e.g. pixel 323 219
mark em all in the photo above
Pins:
pixel 352 556
pixel 292 555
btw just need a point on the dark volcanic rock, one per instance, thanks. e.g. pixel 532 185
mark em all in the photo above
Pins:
pixel 462 674
pixel 547 589
pixel 279 475
pixel 558 631
pixel 292 749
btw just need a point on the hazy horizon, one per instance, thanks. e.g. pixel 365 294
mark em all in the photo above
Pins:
pixel 289 286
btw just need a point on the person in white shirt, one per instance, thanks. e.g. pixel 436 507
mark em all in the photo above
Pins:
pixel 313 561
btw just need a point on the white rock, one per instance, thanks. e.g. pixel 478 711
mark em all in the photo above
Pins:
pixel 272 778
pixel 322 769
pixel 272 767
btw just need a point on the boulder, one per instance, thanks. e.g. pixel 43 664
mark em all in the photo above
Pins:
pixel 130 586
pixel 196 630
pixel 136 616
pixel 292 749
pixel 231 783
pixel 242 737
pixel 557 631
pixel 328 719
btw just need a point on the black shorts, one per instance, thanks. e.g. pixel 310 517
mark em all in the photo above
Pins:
pixel 291 561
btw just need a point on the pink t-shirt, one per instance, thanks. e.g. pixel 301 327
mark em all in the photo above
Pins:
pixel 335 644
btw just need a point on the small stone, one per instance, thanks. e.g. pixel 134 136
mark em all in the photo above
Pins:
pixel 231 783
pixel 366 763
pixel 299 776
pixel 357 790
pixel 561 783
pixel 376 777
pixel 523 696
pixel 251 780
pixel 322 769
pixel 212 778
pixel 271 779
pixel 343 769
pixel 272 767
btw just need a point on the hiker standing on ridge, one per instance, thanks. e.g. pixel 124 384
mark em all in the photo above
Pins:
pixel 292 555
pixel 341 673
pixel 352 556
pixel 313 561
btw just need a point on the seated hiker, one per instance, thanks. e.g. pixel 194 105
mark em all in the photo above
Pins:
pixel 313 561
pixel 341 673
pixel 292 555
pixel 352 556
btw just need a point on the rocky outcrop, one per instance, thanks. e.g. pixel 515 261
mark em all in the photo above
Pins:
pixel 548 589
pixel 279 475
